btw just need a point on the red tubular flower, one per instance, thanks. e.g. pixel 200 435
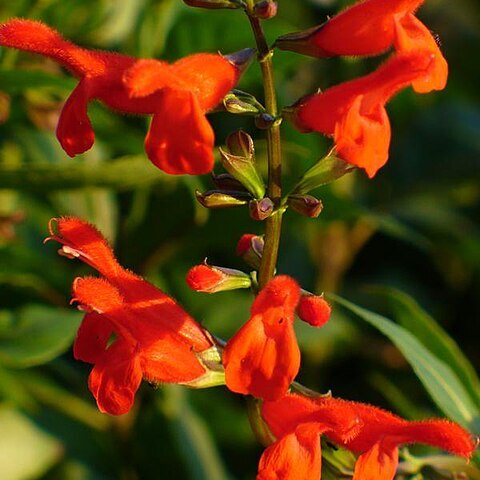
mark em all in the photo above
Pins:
pixel 155 338
pixel 370 27
pixel 354 112
pixel 263 357
pixel 180 139
pixel 374 433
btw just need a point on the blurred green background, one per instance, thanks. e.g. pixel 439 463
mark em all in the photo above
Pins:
pixel 414 229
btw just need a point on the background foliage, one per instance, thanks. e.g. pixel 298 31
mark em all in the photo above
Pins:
pixel 413 229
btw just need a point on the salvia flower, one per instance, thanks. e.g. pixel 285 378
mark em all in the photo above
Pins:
pixel 354 112
pixel 375 434
pixel 263 357
pixel 370 27
pixel 132 330
pixel 180 139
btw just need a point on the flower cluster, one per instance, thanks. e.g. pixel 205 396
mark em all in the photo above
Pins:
pixel 177 95
pixel 133 331
pixel 353 113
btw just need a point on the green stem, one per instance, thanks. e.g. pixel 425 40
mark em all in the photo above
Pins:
pixel 273 223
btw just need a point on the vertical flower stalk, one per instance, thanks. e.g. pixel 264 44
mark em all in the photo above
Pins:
pixel 274 188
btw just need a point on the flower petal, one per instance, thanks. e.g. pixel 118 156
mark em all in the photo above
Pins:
pixel 74 130
pixel 148 76
pixel 378 463
pixel 314 310
pixel 412 35
pixel 209 77
pixel 115 378
pixel 92 337
pixel 296 456
pixel 363 139
pixel 365 28
pixel 180 139
pixel 263 357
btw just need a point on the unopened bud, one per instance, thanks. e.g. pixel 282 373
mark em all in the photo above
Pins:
pixel 239 161
pixel 214 3
pixel 265 9
pixel 260 209
pixel 225 181
pixel 313 309
pixel 210 279
pixel 242 103
pixel 222 199
pixel 250 248
pixel 306 205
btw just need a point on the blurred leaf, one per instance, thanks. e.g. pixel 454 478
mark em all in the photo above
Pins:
pixel 38 335
pixel 26 452
pixel 122 174
pixel 16 81
pixel 437 377
pixel 194 439
pixel 411 316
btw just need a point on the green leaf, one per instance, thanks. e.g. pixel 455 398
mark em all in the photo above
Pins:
pixel 37 335
pixel 26 452
pixel 411 316
pixel 122 174
pixel 16 81
pixel 194 439
pixel 443 385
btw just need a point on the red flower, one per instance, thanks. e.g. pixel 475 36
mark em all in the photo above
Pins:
pixel 180 139
pixel 354 112
pixel 297 422
pixel 154 338
pixel 370 27
pixel 263 357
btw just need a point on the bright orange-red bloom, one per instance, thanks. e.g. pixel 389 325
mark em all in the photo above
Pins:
pixel 263 358
pixel 370 27
pixel 354 112
pixel 153 337
pixel 297 422
pixel 180 139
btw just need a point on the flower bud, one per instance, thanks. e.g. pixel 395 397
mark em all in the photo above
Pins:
pixel 242 103
pixel 325 171
pixel 222 199
pixel 250 248
pixel 209 279
pixel 239 161
pixel 306 205
pixel 313 309
pixel 260 209
pixel 265 9
pixel 214 3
